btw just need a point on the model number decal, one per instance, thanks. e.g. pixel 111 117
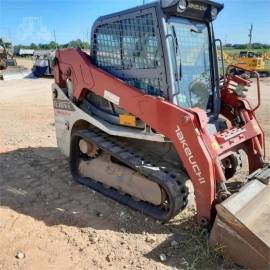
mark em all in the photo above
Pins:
pixel 63 105
pixel 111 97
pixel 191 159
pixel 197 7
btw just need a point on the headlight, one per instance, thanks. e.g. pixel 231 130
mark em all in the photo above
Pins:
pixel 214 13
pixel 182 5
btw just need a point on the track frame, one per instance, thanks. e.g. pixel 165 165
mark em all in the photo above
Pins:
pixel 172 183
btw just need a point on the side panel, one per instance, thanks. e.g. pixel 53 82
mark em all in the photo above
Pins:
pixel 67 115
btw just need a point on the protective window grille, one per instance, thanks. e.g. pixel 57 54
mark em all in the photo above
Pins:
pixel 129 45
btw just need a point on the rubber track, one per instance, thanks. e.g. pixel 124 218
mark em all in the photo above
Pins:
pixel 164 173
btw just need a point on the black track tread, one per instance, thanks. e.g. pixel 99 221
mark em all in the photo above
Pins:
pixel 165 174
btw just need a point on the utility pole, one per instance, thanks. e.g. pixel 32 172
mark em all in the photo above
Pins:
pixel 87 37
pixel 9 34
pixel 250 34
pixel 226 37
pixel 54 35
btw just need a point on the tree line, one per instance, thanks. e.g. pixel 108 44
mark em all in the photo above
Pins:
pixel 53 45
pixel 78 43
pixel 247 46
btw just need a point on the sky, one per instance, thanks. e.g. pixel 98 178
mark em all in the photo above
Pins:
pixel 26 21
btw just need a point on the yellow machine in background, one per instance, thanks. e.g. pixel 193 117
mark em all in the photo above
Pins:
pixel 9 69
pixel 266 56
pixel 224 59
pixel 253 61
pixel 6 54
pixel 228 59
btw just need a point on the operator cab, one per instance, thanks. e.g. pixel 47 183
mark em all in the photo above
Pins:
pixel 247 54
pixel 165 48
pixel 191 43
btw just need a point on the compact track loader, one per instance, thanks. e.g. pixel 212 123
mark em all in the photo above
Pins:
pixel 147 111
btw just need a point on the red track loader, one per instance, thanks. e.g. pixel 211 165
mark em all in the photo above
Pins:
pixel 146 111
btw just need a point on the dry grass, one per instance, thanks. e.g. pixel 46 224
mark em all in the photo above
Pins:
pixel 25 62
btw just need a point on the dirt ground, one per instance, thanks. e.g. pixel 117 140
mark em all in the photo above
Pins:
pixel 49 222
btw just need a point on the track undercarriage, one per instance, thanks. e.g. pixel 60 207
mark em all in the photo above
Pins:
pixel 129 175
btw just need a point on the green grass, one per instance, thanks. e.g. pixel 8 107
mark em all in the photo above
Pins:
pixel 235 52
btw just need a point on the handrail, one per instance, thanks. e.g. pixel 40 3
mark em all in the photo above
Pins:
pixel 258 82
pixel 222 58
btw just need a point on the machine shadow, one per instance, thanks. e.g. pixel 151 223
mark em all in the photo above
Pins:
pixel 36 182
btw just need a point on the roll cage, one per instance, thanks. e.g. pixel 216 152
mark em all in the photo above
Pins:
pixel 157 79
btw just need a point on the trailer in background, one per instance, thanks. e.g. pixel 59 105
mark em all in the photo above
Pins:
pixel 25 52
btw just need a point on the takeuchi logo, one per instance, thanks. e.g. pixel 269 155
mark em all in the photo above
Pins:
pixel 190 156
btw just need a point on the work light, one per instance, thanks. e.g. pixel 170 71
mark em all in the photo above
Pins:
pixel 182 5
pixel 214 12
